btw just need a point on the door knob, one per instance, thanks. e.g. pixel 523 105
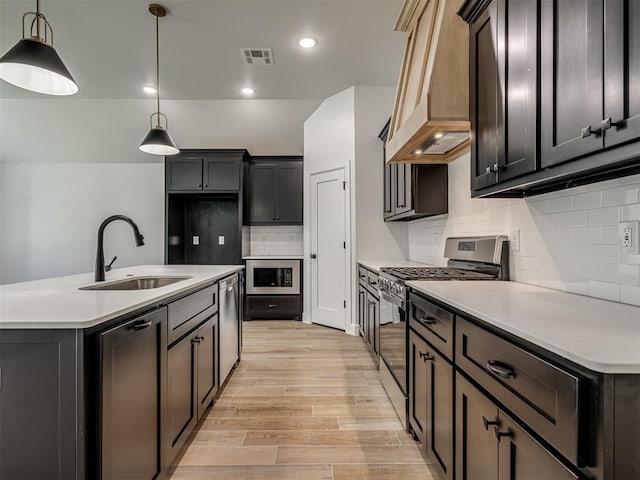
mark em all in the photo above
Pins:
pixel 313 255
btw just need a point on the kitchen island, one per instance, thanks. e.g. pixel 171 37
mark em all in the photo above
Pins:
pixel 109 383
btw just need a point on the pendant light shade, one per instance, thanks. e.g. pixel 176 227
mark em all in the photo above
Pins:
pixel 33 63
pixel 158 141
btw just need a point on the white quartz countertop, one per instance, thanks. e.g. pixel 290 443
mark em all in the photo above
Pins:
pixel 57 302
pixel 598 334
pixel 376 265
pixel 273 257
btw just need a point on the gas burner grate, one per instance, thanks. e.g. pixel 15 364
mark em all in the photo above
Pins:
pixel 436 273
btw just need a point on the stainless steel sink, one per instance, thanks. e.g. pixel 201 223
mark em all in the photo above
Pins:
pixel 136 283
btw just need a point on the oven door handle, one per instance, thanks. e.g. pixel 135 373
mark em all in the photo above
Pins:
pixel 395 301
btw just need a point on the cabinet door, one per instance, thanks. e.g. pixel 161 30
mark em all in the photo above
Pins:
pixel 476 415
pixel 440 413
pixel 290 182
pixel 206 372
pixel 418 389
pixel 572 79
pixel 131 376
pixel 181 407
pixel 622 71
pixel 485 96
pixel 184 173
pixel 373 312
pixel 263 194
pixel 362 310
pixel 222 173
pixel 518 73
pixel 522 458
pixel 389 189
pixel 403 201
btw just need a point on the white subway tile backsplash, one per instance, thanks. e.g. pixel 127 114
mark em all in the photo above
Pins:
pixel 272 240
pixel 569 240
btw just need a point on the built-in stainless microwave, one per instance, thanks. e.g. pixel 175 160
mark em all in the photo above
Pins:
pixel 273 277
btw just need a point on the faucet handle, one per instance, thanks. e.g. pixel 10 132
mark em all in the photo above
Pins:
pixel 107 268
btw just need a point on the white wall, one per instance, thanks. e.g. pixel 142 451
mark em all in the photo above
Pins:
pixel 569 239
pixel 343 133
pixel 50 213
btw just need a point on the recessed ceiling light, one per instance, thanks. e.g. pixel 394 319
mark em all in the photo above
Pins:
pixel 438 135
pixel 248 91
pixel 149 89
pixel 307 42
pixel 418 152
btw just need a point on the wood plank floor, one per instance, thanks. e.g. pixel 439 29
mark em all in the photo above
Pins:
pixel 305 403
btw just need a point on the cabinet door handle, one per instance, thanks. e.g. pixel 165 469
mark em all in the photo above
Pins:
pixel 500 369
pixel 425 356
pixel 500 434
pixel 486 422
pixel 429 320
pixel 196 340
pixel 606 124
pixel 272 305
pixel 200 339
pixel 493 168
pixel 206 185
pixel 199 185
pixel 586 132
pixel 141 325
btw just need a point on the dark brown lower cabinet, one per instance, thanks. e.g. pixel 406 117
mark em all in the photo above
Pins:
pixel 431 403
pixel 273 307
pixel 362 312
pixel 491 445
pixel 132 384
pixel 191 382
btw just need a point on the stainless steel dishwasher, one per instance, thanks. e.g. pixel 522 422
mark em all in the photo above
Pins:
pixel 229 318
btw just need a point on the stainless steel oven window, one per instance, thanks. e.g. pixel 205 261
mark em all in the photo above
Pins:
pixel 273 277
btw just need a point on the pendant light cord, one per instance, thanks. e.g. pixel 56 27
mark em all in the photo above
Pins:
pixel 37 19
pixel 157 67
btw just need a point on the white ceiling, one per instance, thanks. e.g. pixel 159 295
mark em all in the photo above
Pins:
pixel 109 46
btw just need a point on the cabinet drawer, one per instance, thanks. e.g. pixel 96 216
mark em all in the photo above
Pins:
pixel 433 323
pixel 262 306
pixel 362 275
pixel 189 311
pixel 545 397
pixel 372 282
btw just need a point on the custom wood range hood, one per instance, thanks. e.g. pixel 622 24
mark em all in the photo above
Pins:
pixel 430 120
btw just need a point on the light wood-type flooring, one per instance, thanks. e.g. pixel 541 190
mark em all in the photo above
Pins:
pixel 305 403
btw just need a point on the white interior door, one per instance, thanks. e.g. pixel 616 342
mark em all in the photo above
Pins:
pixel 328 249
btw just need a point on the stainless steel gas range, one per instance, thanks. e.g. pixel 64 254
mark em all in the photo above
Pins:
pixel 469 258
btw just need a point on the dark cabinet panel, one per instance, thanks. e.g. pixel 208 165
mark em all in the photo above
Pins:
pixel 418 388
pixel 373 317
pixel 132 381
pixel 184 173
pixel 181 412
pixel 273 306
pixel 476 449
pixel 38 405
pixel 572 79
pixel 262 193
pixel 362 311
pixel 221 173
pixel 207 339
pixel 622 71
pixel 290 193
pixel 403 188
pixel 274 193
pixel 521 457
pixel 369 311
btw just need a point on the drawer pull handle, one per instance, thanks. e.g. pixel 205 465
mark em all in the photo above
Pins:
pixel 428 320
pixel 196 340
pixel 140 325
pixel 362 275
pixel 500 369
pixel 486 422
pixel 425 356
pixel 500 434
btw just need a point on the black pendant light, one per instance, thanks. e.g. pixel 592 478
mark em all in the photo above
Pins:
pixel 158 141
pixel 33 63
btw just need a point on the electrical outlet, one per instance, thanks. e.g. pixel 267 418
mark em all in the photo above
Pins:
pixel 514 240
pixel 220 239
pixel 629 238
pixel 196 240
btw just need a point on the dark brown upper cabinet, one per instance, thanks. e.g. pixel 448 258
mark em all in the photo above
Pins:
pixel 274 191
pixel 413 191
pixel 205 171
pixel 552 97
pixel 503 92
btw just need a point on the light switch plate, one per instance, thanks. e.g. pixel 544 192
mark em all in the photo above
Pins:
pixel 220 239
pixel 629 238
pixel 196 240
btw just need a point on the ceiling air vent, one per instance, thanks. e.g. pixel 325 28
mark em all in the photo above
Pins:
pixel 257 56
